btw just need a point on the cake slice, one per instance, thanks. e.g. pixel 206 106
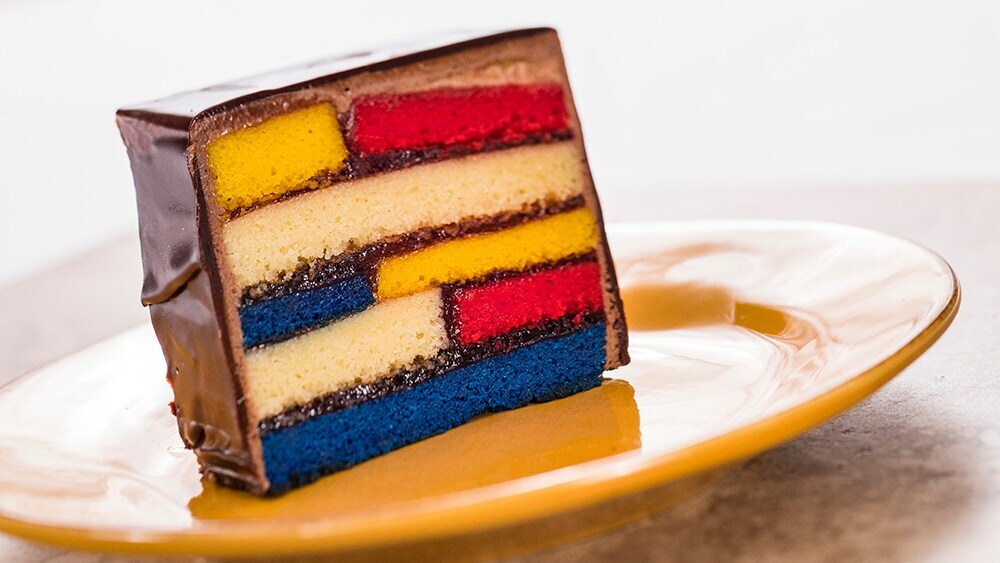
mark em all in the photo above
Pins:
pixel 347 257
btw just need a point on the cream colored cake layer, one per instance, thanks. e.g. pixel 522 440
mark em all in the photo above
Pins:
pixel 276 238
pixel 362 348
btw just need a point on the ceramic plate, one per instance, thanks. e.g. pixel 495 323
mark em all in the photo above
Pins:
pixel 743 335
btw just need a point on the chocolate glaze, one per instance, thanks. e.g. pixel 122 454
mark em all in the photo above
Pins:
pixel 448 360
pixel 167 231
pixel 186 327
pixel 364 165
pixel 321 272
pixel 184 310
pixel 178 111
pixel 192 312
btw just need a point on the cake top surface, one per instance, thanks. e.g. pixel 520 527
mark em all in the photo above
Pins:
pixel 179 110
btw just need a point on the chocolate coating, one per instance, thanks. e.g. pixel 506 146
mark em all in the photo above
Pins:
pixel 185 310
pixel 179 110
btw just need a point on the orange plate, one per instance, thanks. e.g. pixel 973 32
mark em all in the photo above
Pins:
pixel 744 334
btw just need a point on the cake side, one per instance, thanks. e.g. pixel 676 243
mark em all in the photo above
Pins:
pixel 185 307
pixel 617 331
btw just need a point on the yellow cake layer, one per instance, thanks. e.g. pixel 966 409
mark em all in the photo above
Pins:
pixel 545 240
pixel 282 154
pixel 359 349
pixel 346 216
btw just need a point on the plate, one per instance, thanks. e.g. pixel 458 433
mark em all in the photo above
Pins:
pixel 743 335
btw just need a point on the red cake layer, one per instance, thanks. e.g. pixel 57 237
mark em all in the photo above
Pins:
pixel 491 310
pixel 468 117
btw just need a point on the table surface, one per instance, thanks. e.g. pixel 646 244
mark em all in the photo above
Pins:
pixel 913 473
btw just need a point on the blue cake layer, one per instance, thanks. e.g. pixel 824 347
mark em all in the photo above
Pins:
pixel 278 318
pixel 543 371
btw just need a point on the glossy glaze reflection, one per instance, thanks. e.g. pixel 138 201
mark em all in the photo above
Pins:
pixel 731 323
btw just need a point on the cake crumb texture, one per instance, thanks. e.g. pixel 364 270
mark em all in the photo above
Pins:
pixel 275 319
pixel 282 154
pixel 274 239
pixel 493 309
pixel 447 117
pixel 553 238
pixel 358 349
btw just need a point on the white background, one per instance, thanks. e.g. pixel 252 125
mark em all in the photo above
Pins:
pixel 673 95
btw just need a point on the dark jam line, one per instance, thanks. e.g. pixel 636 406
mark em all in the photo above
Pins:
pixel 363 166
pixel 322 272
pixel 447 361
pixel 371 164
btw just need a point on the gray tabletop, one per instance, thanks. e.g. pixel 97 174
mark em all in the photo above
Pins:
pixel 913 473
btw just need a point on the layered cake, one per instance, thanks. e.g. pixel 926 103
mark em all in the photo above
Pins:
pixel 347 257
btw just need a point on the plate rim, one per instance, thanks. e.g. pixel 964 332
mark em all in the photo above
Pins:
pixel 473 515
